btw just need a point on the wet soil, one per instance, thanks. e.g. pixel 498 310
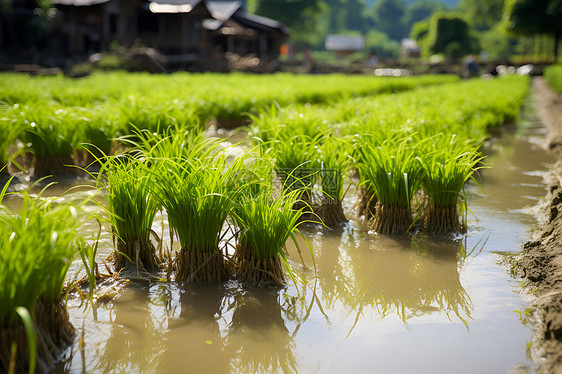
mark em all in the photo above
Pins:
pixel 541 260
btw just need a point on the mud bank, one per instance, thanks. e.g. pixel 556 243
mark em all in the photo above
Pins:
pixel 541 260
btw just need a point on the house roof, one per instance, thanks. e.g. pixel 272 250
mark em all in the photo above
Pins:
pixel 79 2
pixel 259 22
pixel 223 10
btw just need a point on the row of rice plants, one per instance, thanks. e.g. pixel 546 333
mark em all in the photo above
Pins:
pixel 37 246
pixel 399 148
pixel 53 117
pixel 199 187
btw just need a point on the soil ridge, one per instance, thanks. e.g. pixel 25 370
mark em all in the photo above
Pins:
pixel 541 259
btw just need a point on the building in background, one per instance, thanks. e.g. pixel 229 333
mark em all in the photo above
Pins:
pixel 184 31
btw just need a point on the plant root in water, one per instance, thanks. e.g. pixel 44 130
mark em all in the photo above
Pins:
pixel 201 266
pixel 442 219
pixel 391 220
pixel 138 252
pixel 331 213
pixel 264 271
pixel 53 333
pixel 367 204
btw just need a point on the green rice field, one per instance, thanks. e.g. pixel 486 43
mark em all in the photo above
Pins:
pixel 264 200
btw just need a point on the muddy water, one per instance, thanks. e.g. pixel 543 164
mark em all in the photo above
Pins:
pixel 375 304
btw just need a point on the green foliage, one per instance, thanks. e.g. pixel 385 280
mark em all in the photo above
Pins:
pixel 131 196
pixel 335 163
pixel 447 163
pixel 38 245
pixel 451 34
pixel 197 197
pixel 388 18
pixel 534 17
pixel 296 163
pixel 390 170
pixel 382 44
pixel 419 30
pixel 496 43
pixel 553 77
pixel 483 13
pixel 267 221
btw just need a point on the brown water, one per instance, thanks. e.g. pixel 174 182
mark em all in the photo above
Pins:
pixel 375 304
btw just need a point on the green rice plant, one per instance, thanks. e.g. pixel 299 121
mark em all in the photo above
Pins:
pixel 49 137
pixel 177 143
pixel 9 134
pixel 367 199
pixel 132 204
pixel 296 164
pixel 335 163
pixel 553 77
pixel 37 247
pixel 447 164
pixel 394 174
pixel 198 197
pixel 266 221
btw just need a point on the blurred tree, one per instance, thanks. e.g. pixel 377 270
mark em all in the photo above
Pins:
pixel 378 42
pixel 388 18
pixel 535 17
pixel 419 30
pixel 449 33
pixel 421 10
pixel 484 14
pixel 497 44
pixel 298 15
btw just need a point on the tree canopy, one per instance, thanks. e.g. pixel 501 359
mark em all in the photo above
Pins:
pixel 535 17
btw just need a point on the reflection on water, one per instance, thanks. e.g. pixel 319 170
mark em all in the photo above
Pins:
pixel 405 276
pixel 258 340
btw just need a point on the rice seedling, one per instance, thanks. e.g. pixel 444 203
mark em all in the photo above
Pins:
pixel 553 77
pixel 447 164
pixel 9 135
pixel 334 166
pixel 296 164
pixel 198 197
pixel 36 249
pixel 266 220
pixel 394 174
pixel 132 204
pixel 49 137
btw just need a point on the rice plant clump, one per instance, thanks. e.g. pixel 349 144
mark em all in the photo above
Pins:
pixel 132 204
pixel 445 170
pixel 198 197
pixel 36 249
pixel 296 165
pixel 334 165
pixel 394 174
pixel 266 221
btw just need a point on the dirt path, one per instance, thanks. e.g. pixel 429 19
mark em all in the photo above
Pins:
pixel 541 260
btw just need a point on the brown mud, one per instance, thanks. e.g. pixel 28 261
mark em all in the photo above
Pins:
pixel 541 259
